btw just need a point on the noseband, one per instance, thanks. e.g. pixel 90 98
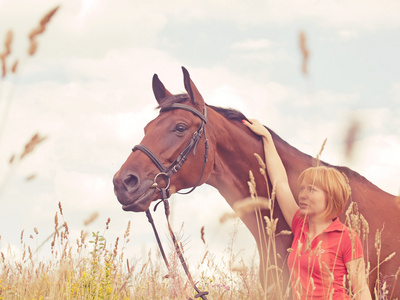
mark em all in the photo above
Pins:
pixel 166 173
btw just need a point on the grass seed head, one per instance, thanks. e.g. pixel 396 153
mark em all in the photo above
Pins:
pixel 260 161
pixel 202 234
pixel 304 52
pixel 108 223
pixel 128 230
pixel 250 205
pixel 91 218
pixel 322 149
pixel 39 30
pixel 7 51
pixel 31 145
pixel 351 137
pixel 226 216
pixel 14 67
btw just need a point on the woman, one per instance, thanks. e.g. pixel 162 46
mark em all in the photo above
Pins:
pixel 325 252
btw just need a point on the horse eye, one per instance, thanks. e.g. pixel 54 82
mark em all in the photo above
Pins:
pixel 180 128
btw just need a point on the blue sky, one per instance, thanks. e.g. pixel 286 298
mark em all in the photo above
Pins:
pixel 88 89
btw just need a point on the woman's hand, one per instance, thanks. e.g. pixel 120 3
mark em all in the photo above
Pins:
pixel 258 128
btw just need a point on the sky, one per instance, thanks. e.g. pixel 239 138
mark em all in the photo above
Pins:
pixel 88 91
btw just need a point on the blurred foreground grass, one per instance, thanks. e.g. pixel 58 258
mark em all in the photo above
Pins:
pixel 94 268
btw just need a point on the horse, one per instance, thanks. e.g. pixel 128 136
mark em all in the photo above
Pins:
pixel 229 147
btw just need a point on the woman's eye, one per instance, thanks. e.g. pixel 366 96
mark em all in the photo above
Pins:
pixel 180 128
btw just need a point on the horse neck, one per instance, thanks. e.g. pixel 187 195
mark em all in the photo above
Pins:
pixel 294 160
pixel 235 147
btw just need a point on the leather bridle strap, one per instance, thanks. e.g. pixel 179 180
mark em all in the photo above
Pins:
pixel 152 157
pixel 167 173
pixel 178 250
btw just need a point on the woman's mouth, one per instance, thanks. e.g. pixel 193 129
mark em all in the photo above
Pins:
pixel 303 205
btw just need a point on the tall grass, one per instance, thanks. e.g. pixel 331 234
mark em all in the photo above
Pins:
pixel 94 268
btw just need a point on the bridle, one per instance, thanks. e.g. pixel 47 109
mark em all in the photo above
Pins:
pixel 166 173
pixel 178 162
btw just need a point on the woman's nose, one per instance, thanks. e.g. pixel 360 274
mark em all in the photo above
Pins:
pixel 303 194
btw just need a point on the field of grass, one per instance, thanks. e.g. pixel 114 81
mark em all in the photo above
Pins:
pixel 93 268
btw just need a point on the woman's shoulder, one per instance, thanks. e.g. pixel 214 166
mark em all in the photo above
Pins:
pixel 350 242
pixel 298 221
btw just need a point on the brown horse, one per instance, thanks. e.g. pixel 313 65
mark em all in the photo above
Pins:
pixel 230 157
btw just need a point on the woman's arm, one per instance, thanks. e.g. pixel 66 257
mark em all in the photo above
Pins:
pixel 358 281
pixel 276 172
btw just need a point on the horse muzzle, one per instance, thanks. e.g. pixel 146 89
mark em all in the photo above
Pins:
pixel 134 194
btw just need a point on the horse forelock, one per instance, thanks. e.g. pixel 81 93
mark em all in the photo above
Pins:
pixel 168 101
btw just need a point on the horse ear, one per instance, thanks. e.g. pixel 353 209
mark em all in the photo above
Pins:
pixel 192 90
pixel 160 92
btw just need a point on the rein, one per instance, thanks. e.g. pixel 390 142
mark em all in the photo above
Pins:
pixel 166 173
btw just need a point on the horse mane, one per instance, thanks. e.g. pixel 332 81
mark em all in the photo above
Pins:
pixel 229 113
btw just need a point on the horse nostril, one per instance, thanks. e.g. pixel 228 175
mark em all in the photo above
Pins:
pixel 131 181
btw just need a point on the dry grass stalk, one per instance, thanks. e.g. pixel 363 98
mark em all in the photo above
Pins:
pixel 39 30
pixel 271 226
pixel 204 257
pixel 14 66
pixel 12 159
pixel 389 257
pixel 284 232
pixel 202 234
pixel 91 218
pixel 60 208
pixel 7 51
pixel 128 230
pixel 260 161
pixel 250 205
pixel 304 52
pixel 320 151
pixel 226 216
pixel 31 145
pixel 30 177
pixel 351 137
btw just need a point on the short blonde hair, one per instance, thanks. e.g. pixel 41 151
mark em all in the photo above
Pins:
pixel 335 184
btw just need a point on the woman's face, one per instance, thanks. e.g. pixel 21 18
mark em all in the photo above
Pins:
pixel 312 200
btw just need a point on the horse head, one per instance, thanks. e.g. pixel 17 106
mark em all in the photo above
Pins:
pixel 173 153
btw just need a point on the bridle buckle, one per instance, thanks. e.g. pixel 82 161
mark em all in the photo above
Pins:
pixel 166 178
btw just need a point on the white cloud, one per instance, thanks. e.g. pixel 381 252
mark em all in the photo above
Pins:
pixel 253 44
pixel 348 34
pixel 364 15
pixel 395 91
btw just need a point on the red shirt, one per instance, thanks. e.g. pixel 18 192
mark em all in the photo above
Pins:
pixel 309 263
